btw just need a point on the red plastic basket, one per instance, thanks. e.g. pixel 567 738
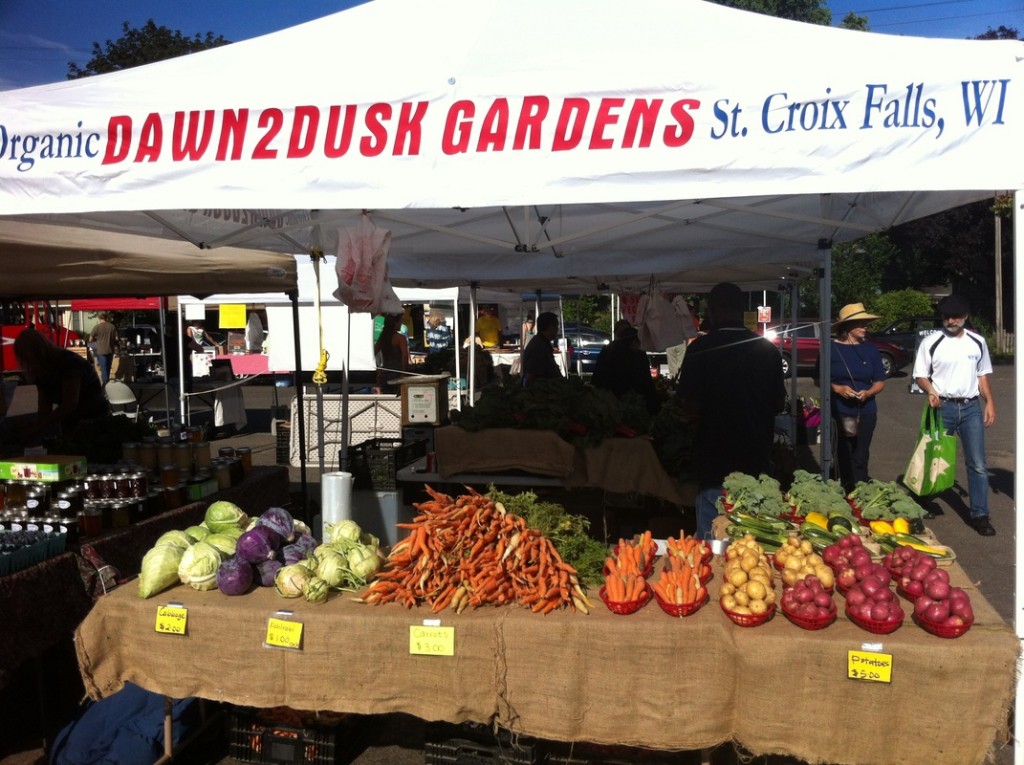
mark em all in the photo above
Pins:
pixel 680 609
pixel 648 569
pixel 942 630
pixel 628 607
pixel 749 620
pixel 876 627
pixel 810 624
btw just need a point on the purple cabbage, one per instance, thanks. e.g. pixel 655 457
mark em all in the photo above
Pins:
pixel 234 576
pixel 267 570
pixel 257 544
pixel 281 521
pixel 294 553
pixel 306 541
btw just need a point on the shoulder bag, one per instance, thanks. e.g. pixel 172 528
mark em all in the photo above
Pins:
pixel 932 466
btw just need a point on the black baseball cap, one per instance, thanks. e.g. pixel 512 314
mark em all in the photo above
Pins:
pixel 953 305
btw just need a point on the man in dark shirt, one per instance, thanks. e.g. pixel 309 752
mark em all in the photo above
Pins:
pixel 622 366
pixel 539 356
pixel 732 382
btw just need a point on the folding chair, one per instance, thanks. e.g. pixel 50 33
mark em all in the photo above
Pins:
pixel 122 399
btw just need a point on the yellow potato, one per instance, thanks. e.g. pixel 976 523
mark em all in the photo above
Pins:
pixel 729 602
pixel 740 610
pixel 748 562
pixel 741 597
pixel 755 589
pixel 806 548
pixel 727 589
pixel 758 606
pixel 737 577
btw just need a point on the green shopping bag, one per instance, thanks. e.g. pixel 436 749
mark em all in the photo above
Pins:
pixel 932 466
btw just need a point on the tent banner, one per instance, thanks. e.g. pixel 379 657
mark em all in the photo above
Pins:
pixel 697 100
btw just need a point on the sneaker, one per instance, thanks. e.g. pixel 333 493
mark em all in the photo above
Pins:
pixel 982 526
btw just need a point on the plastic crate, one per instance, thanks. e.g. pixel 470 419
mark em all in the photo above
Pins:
pixel 475 744
pixel 254 739
pixel 32 554
pixel 374 464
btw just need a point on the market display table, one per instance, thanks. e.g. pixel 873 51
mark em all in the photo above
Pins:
pixel 619 465
pixel 643 680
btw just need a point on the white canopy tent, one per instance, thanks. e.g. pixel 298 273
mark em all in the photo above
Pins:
pixel 562 146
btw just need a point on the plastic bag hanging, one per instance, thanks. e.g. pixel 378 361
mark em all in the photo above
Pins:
pixel 362 269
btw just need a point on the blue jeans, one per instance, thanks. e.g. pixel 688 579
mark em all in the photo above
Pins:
pixel 707 510
pixel 104 360
pixel 966 421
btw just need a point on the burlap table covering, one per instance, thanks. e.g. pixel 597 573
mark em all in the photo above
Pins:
pixel 620 465
pixel 645 680
pixel 540 452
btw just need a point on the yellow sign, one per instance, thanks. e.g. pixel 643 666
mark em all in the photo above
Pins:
pixel 869 666
pixel 750 320
pixel 232 316
pixel 282 633
pixel 431 641
pixel 171 620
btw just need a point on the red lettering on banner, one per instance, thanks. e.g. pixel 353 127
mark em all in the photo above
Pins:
pixel 494 127
pixel 680 111
pixel 571 122
pixel 307 119
pixel 606 117
pixel 375 129
pixel 272 119
pixel 643 115
pixel 455 139
pixel 150 139
pixel 410 127
pixel 183 137
pixel 531 117
pixel 337 144
pixel 232 134
pixel 374 144
pixel 119 140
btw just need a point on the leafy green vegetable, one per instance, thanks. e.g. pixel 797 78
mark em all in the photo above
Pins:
pixel 198 566
pixel 223 515
pixel 159 569
pixel 884 500
pixel 757 496
pixel 567 532
pixel 810 493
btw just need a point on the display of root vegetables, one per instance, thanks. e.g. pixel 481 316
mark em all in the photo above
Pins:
pixel 627 568
pixel 685 571
pixel 469 552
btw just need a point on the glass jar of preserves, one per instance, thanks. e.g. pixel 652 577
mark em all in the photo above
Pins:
pixel 183 455
pixel 90 521
pixel 222 472
pixel 168 475
pixel 244 453
pixel 201 453
pixel 130 452
pixel 147 455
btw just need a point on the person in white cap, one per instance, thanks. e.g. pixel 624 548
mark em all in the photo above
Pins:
pixel 952 367
pixel 857 377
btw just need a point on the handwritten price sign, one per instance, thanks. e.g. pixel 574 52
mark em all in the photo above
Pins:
pixel 869 666
pixel 431 641
pixel 171 620
pixel 282 633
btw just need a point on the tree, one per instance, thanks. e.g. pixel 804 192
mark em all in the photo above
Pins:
pixel 142 46
pixel 857 23
pixel 1003 33
pixel 810 11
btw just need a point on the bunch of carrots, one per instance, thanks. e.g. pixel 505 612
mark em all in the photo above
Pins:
pixel 469 551
pixel 627 567
pixel 685 571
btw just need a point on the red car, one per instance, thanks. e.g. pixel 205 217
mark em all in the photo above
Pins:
pixel 808 343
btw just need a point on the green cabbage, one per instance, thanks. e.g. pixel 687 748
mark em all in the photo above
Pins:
pixel 159 569
pixel 223 515
pixel 199 565
pixel 223 541
pixel 176 538
pixel 197 533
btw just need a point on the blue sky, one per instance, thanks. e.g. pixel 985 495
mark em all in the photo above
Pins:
pixel 39 37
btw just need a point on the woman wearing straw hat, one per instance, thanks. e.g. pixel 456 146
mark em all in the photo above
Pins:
pixel 857 377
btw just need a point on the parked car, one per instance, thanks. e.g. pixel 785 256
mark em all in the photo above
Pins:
pixel 908 331
pixel 585 344
pixel 808 344
pixel 140 338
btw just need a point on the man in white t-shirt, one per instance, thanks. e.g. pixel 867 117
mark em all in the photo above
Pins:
pixel 952 367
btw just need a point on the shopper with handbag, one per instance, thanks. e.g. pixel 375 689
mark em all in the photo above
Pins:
pixel 857 377
pixel 952 367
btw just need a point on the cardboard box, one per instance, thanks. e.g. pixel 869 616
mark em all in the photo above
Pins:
pixel 43 467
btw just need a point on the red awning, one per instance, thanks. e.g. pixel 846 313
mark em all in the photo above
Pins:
pixel 115 304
